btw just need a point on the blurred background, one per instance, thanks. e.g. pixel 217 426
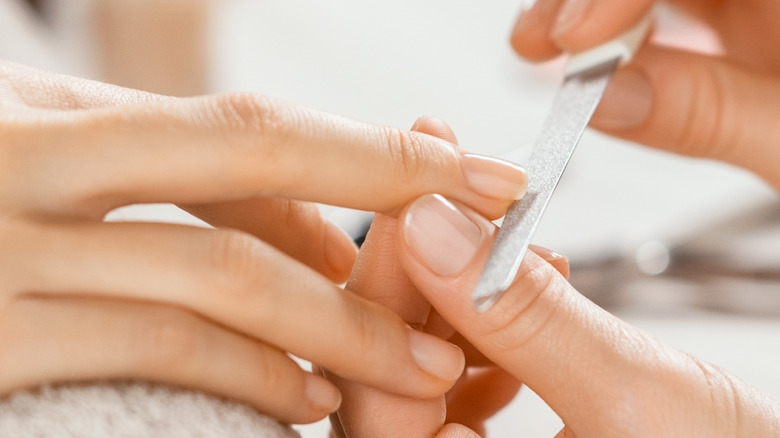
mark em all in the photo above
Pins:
pixel 688 250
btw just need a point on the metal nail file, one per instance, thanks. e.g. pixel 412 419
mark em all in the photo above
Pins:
pixel 586 77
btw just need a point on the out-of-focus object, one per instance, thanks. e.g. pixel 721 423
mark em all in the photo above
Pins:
pixel 732 267
pixel 160 46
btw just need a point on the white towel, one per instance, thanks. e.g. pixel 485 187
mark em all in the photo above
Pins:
pixel 119 410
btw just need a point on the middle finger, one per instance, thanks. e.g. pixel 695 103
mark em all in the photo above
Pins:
pixel 230 147
pixel 240 282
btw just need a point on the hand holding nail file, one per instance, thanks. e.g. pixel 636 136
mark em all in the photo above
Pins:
pixel 586 77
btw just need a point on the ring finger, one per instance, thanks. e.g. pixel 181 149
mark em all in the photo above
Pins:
pixel 74 339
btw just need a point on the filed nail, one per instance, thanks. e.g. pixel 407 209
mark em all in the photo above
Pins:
pixel 441 236
pixel 494 177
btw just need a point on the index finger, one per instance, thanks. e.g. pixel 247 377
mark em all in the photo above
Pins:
pixel 240 146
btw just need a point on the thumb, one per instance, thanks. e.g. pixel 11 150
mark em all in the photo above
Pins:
pixel 696 105
pixel 595 371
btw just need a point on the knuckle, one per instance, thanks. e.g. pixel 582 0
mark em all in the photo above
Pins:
pixel 523 313
pixel 274 375
pixel 258 129
pixel 167 341
pixel 406 153
pixel 706 130
pixel 234 264
pixel 724 393
pixel 251 113
pixel 367 320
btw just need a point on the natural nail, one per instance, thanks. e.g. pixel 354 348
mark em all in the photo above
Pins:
pixel 494 177
pixel 435 356
pixel 321 393
pixel 441 236
pixel 627 101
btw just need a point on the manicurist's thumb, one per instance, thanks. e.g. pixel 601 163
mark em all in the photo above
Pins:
pixel 586 364
pixel 696 105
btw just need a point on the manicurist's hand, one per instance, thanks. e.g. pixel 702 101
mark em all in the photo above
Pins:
pixel 603 377
pixel 211 309
pixel 722 107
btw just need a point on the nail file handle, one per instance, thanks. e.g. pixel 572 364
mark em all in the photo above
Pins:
pixel 587 75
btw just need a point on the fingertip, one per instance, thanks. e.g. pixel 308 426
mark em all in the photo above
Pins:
pixel 340 253
pixel 584 24
pixel 530 37
pixel 558 261
pixel 323 396
pixel 436 127
pixel 455 430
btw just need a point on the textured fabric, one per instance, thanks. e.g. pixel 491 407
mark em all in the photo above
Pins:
pixel 130 410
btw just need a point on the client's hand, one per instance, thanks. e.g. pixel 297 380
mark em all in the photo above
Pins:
pixel 722 107
pixel 603 377
pixel 212 309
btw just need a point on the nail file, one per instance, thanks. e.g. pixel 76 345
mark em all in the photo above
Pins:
pixel 586 77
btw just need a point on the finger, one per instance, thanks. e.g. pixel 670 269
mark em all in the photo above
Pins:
pixel 695 105
pixel 436 127
pixel 554 26
pixel 582 24
pixel 232 147
pixel 481 395
pixel 39 89
pixel 454 430
pixel 531 35
pixel 558 261
pixel 240 282
pixel 378 278
pixel 294 227
pixel 474 357
pixel 79 339
pixel 541 330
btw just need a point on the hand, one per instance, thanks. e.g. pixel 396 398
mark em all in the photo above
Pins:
pixel 721 107
pixel 479 393
pixel 603 377
pixel 212 309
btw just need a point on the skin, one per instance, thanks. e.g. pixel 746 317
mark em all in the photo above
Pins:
pixel 214 309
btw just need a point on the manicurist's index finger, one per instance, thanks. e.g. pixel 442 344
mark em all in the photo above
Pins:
pixel 239 146
pixel 554 26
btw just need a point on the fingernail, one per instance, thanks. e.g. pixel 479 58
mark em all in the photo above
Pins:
pixel 494 177
pixel 340 250
pixel 526 5
pixel 435 356
pixel 547 253
pixel 443 239
pixel 627 101
pixel 321 393
pixel 572 14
